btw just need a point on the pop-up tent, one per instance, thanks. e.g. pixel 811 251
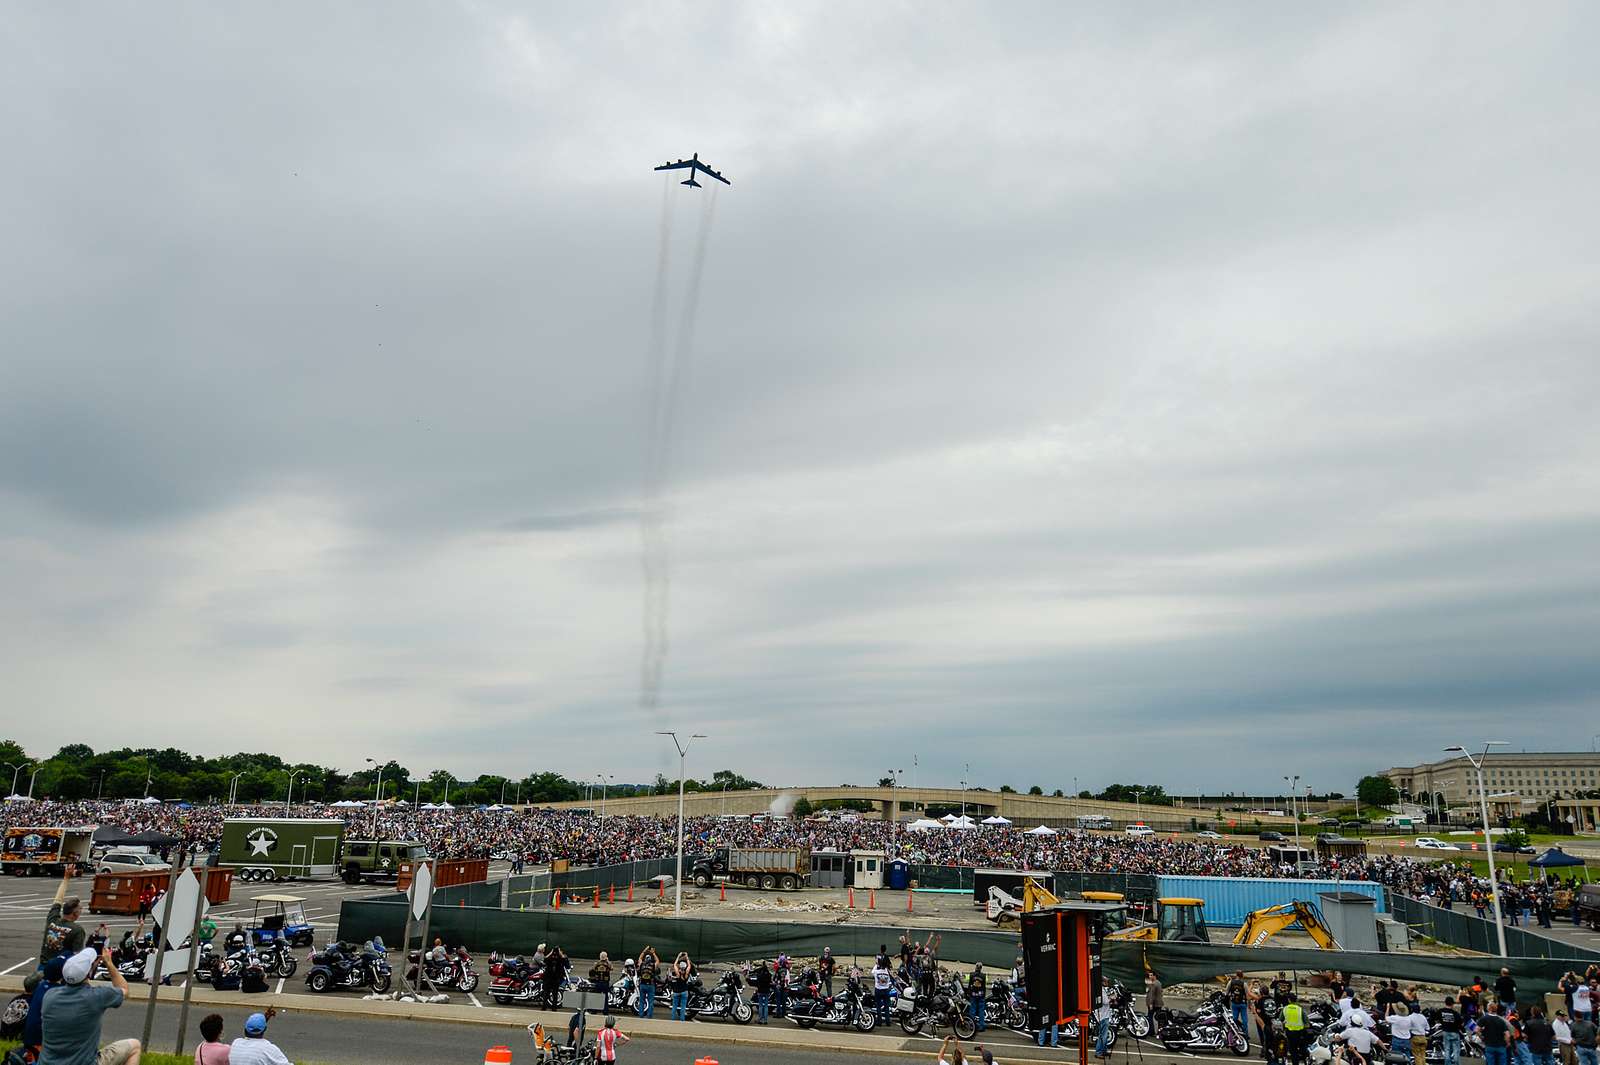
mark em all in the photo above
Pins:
pixel 962 822
pixel 922 824
pixel 1042 830
pixel 1556 858
pixel 996 820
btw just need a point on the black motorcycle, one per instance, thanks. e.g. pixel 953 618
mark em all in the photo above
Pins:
pixel 341 968
pixel 723 1001
pixel 455 970
pixel 277 959
pixel 849 1008
pixel 920 1011
pixel 1003 1009
pixel 1124 1016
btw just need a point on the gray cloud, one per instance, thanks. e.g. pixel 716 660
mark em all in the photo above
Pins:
pixel 1124 379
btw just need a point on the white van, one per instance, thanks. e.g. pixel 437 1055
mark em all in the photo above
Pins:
pixel 132 862
pixel 1139 830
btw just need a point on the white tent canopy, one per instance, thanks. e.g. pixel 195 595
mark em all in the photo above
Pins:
pixel 922 824
pixel 1042 830
pixel 346 803
pixel 18 798
pixel 947 818
pixel 962 822
pixel 996 820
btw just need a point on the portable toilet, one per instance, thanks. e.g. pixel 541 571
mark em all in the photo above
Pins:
pixel 1352 919
pixel 899 876
pixel 867 868
pixel 828 869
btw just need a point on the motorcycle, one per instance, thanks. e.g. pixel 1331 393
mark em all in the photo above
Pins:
pixel 277 959
pixel 455 971
pixel 337 967
pixel 848 1008
pixel 724 1000
pixel 1124 1017
pixel 945 1007
pixel 1208 1030
pixel 1003 1009
pixel 515 980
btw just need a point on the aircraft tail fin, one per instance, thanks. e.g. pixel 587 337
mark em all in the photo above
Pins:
pixel 692 183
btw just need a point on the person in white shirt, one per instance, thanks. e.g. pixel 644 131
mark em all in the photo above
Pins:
pixel 1359 1039
pixel 253 1048
pixel 1582 1003
pixel 1563 1032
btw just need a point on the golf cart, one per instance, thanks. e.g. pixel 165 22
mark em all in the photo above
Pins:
pixel 286 921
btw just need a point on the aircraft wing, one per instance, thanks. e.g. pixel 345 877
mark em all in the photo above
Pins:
pixel 681 164
pixel 701 166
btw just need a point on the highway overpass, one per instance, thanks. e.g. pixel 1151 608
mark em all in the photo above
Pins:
pixel 1023 810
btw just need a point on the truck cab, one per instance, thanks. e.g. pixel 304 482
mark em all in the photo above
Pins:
pixel 377 859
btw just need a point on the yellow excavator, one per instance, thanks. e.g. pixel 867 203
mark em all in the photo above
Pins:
pixel 1261 925
pixel 1177 920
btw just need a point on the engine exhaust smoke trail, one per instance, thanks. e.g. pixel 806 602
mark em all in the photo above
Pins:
pixel 668 372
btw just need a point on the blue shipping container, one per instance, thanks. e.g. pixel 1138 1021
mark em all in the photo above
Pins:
pixel 1230 898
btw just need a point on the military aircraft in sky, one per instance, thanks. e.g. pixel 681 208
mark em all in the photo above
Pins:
pixel 692 165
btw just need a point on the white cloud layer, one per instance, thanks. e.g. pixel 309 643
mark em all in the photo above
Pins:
pixel 1183 394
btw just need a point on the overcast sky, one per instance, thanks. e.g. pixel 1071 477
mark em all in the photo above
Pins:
pixel 1192 393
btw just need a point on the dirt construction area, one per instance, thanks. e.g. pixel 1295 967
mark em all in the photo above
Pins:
pixel 928 909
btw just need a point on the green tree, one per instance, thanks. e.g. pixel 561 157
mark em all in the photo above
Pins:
pixel 886 782
pixel 802 807
pixel 1057 794
pixel 1376 791
pixel 1036 790
pixel 1007 789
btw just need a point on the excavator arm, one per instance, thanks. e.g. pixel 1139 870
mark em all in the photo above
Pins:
pixel 1261 925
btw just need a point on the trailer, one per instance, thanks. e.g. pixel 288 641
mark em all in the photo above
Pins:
pixel 279 848
pixel 1007 880
pixel 767 868
pixel 46 851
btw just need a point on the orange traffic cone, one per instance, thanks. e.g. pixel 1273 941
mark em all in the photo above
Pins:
pixel 597 896
pixel 630 891
pixel 724 892
pixel 872 899
pixel 555 899
pixel 462 903
pixel 661 890
pixel 908 902
pixel 852 898
pixel 497 1056
pixel 611 896
pixel 708 1060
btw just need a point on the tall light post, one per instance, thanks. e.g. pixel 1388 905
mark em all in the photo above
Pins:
pixel 16 771
pixel 894 812
pixel 1294 812
pixel 290 793
pixel 965 784
pixel 1138 814
pixel 683 753
pixel 418 800
pixel 32 778
pixel 100 789
pixel 377 795
pixel 233 785
pixel 503 783
pixel 149 774
pixel 518 799
pixel 1488 843
pixel 725 784
pixel 605 782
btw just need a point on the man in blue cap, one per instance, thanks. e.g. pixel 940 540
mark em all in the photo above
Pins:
pixel 254 1048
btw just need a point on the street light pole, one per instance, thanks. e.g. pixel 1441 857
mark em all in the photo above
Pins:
pixel 233 785
pixel 605 783
pixel 32 778
pixel 100 789
pixel 725 784
pixel 1488 843
pixel 377 797
pixel 677 881
pixel 965 784
pixel 1294 812
pixel 290 793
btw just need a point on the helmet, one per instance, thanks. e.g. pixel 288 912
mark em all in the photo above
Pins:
pixel 1358 1021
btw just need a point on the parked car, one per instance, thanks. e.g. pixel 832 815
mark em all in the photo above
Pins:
pixel 1506 848
pixel 1328 837
pixel 1271 837
pixel 1428 843
pixel 131 862
pixel 1329 822
pixel 1139 830
pixel 1207 833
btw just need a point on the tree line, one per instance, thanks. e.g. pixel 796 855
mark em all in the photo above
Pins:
pixel 78 772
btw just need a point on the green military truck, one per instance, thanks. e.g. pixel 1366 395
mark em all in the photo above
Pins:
pixel 310 848
pixel 377 859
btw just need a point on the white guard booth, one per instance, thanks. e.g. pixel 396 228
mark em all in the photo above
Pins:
pixel 867 868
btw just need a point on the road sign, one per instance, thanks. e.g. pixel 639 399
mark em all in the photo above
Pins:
pixel 173 962
pixel 421 890
pixel 186 895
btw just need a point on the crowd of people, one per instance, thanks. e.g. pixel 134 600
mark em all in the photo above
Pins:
pixel 584 838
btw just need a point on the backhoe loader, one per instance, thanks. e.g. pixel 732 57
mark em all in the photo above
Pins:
pixel 1261 925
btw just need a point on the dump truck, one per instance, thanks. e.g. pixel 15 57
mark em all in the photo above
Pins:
pixel 46 850
pixel 767 868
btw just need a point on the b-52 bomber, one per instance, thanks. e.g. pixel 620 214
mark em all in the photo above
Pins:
pixel 692 165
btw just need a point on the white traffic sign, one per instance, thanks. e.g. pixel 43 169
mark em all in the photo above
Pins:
pixel 173 962
pixel 186 895
pixel 421 889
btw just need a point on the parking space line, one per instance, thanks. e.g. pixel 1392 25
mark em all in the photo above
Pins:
pixel 19 965
pixel 279 991
pixel 474 999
